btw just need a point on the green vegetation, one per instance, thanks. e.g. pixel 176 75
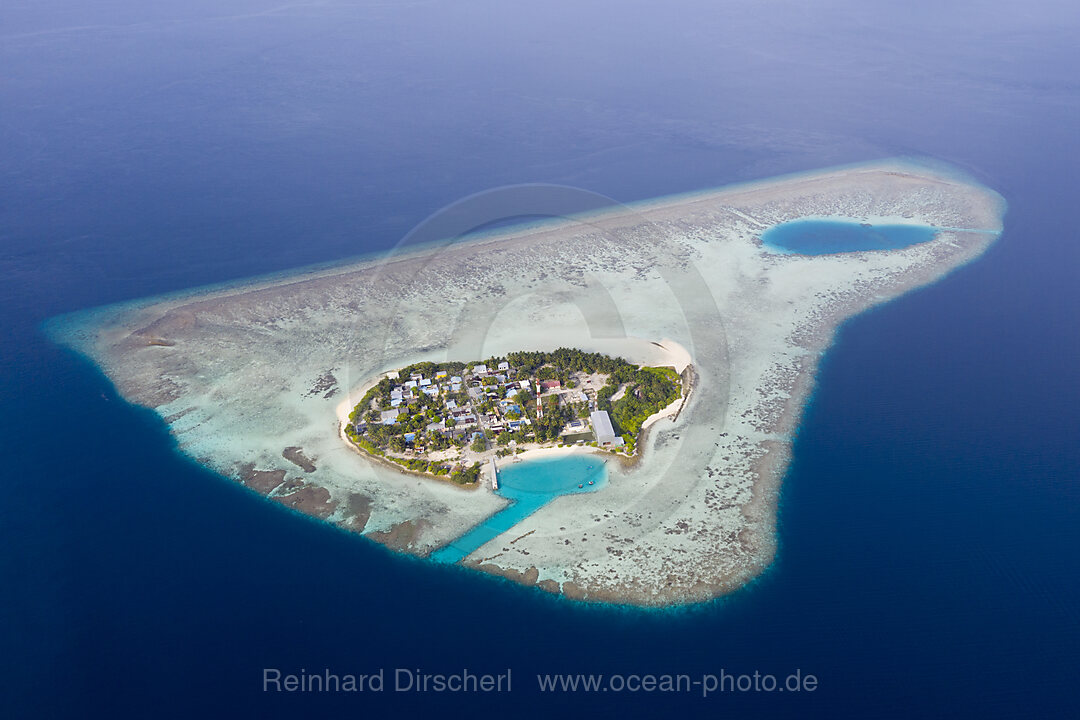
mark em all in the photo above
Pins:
pixel 418 465
pixel 551 424
pixel 648 391
pixel 466 476
pixel 563 362
pixel 363 442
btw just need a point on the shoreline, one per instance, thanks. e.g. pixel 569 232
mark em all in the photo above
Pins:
pixel 673 355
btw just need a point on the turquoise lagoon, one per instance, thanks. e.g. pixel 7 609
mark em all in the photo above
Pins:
pixel 824 236
pixel 529 485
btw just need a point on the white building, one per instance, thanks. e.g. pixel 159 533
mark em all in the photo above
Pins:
pixel 605 433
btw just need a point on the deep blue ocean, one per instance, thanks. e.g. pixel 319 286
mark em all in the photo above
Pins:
pixel 930 522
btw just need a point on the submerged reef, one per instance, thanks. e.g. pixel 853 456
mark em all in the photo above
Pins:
pixel 252 378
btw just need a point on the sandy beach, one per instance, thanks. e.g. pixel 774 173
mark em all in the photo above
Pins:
pixel 251 375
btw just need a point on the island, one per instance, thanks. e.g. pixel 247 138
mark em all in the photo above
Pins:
pixel 261 380
pixel 448 419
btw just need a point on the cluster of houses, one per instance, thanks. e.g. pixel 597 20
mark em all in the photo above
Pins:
pixel 480 386
pixel 485 401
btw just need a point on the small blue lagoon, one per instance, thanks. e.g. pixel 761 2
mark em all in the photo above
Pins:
pixel 820 236
pixel 529 486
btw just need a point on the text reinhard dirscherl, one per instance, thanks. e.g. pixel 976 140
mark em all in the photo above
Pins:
pixel 408 680
pixel 381 680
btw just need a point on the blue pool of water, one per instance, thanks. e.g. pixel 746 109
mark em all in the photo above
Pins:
pixel 814 236
pixel 529 486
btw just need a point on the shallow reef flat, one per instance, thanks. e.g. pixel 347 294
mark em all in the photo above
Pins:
pixel 249 378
